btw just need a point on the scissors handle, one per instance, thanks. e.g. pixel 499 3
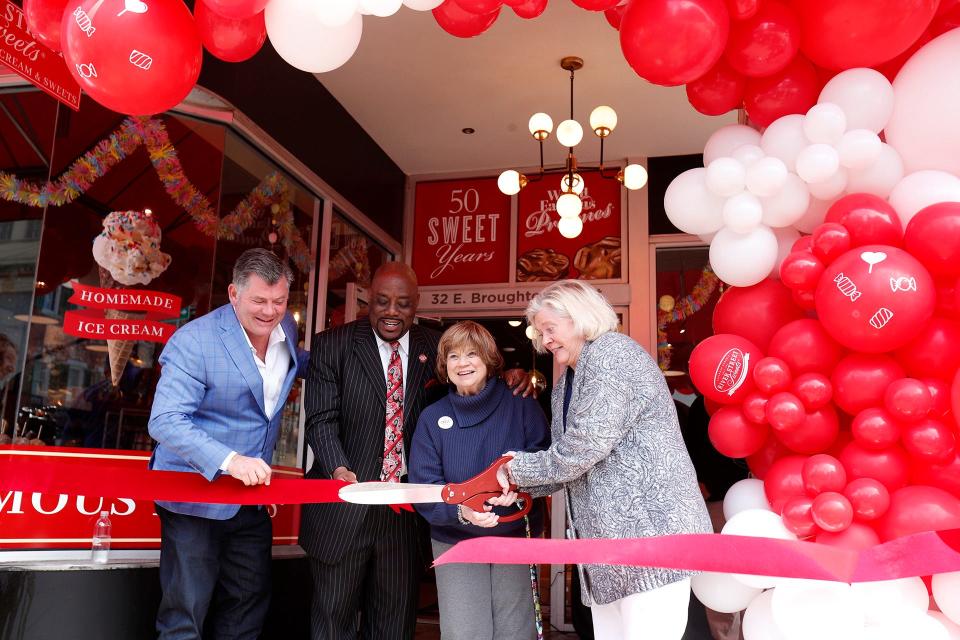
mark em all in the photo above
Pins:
pixel 477 490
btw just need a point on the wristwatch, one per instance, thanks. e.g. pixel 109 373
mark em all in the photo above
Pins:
pixel 460 515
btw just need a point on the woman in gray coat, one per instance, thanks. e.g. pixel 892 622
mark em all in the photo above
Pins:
pixel 618 455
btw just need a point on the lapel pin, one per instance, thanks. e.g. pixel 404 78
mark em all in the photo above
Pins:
pixel 422 358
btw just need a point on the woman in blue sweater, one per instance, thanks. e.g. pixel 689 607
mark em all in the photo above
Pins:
pixel 456 438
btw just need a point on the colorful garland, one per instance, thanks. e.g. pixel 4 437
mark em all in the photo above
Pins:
pixel 683 309
pixel 273 192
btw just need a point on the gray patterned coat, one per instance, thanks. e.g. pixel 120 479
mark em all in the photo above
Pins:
pixel 622 462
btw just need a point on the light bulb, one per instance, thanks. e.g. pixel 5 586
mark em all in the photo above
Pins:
pixel 510 182
pixel 569 205
pixel 576 186
pixel 603 120
pixel 530 331
pixel 570 227
pixel 569 133
pixel 633 176
pixel 514 323
pixel 541 125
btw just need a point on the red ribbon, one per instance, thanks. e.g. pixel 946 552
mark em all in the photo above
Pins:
pixel 158 304
pixel 92 324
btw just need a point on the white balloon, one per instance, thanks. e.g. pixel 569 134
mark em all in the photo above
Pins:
pixel 759 523
pixel 784 139
pixel 766 177
pixel 747 154
pixel 300 38
pixel 865 95
pixel 788 206
pixel 336 13
pixel 804 609
pixel 785 239
pixel 725 139
pixel 380 8
pixel 691 206
pixel 859 148
pixel 880 177
pixel 925 125
pixel 825 123
pixel 744 494
pixel 721 592
pixel 908 625
pixel 946 593
pixel 707 238
pixel 725 177
pixel 884 600
pixel 953 629
pixel 814 216
pixel 742 213
pixel 758 623
pixel 922 189
pixel 818 162
pixel 830 188
pixel 423 5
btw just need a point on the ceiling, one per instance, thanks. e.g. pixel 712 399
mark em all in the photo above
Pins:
pixel 413 88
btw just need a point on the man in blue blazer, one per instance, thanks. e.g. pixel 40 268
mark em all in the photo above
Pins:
pixel 217 409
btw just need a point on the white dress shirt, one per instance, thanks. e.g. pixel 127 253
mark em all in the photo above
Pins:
pixel 385 350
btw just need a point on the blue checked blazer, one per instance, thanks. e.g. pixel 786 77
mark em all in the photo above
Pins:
pixel 209 402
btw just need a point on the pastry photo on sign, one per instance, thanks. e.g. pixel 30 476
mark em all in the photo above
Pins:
pixel 540 265
pixel 599 260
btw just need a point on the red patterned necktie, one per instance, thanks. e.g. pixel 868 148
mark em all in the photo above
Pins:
pixel 393 433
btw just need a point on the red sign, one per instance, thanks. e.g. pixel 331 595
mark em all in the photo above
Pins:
pixel 33 61
pixel 461 232
pixel 543 254
pixel 98 325
pixel 61 521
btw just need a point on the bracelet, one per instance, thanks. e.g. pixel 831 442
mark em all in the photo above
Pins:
pixel 460 515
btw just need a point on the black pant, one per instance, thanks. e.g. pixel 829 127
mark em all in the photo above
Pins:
pixel 218 565
pixel 373 590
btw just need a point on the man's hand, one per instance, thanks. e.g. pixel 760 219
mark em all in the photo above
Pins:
pixel 250 471
pixel 520 382
pixel 344 475
pixel 485 518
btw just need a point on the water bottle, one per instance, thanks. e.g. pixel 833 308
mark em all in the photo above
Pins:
pixel 101 538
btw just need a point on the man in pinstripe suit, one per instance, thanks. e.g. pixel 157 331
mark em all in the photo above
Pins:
pixel 365 560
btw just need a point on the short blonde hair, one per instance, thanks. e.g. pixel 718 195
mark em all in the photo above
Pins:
pixel 464 335
pixel 590 312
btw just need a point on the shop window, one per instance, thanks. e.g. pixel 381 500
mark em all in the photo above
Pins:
pixel 354 257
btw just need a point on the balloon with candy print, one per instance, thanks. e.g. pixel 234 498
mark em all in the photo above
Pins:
pixel 875 298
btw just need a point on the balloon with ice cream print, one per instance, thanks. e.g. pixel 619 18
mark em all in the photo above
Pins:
pixel 875 298
pixel 137 57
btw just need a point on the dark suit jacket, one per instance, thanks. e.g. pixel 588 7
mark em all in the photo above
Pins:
pixel 346 409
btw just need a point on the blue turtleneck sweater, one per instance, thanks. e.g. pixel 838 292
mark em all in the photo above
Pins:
pixel 479 429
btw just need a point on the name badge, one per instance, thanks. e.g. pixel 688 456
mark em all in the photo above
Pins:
pixel 445 422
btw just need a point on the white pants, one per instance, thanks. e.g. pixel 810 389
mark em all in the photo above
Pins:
pixel 660 614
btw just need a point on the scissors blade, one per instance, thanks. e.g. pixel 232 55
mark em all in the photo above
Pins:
pixel 390 493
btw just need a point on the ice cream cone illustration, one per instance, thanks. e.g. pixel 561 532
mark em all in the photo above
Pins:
pixel 128 254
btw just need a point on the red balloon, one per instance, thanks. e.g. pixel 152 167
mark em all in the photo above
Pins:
pixel 805 347
pixel 793 90
pixel 672 42
pixel 712 406
pixel 875 429
pixel 801 270
pixel 529 9
pixel 822 472
pixel 831 511
pixel 797 516
pixel 935 352
pixel 948 297
pixel 771 375
pixel 742 9
pixel 760 462
pixel 875 298
pixel 940 392
pixel 830 241
pixel 890 466
pixel 929 441
pixel 870 219
pixel 754 407
pixel 813 389
pixel 596 5
pixel 892 67
pixel 734 436
pixel 908 400
pixel 717 91
pixel 842 34
pixel 856 537
pixel 615 15
pixel 869 498
pixel 944 476
pixel 803 298
pixel 785 412
pixel 236 9
pixel 817 433
pixel 784 481
pixel 860 380
pixel 721 367
pixel 756 312
pixel 228 39
pixel 918 508
pixel 134 61
pixel 803 243
pixel 43 20
pixel 480 7
pixel 933 236
pixel 461 23
pixel 766 42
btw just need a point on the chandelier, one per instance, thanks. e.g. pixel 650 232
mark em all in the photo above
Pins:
pixel 603 120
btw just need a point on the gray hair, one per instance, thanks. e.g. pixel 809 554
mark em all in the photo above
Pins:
pixel 590 312
pixel 263 263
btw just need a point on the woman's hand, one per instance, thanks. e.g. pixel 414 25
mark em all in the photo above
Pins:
pixel 504 477
pixel 485 518
pixel 504 500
